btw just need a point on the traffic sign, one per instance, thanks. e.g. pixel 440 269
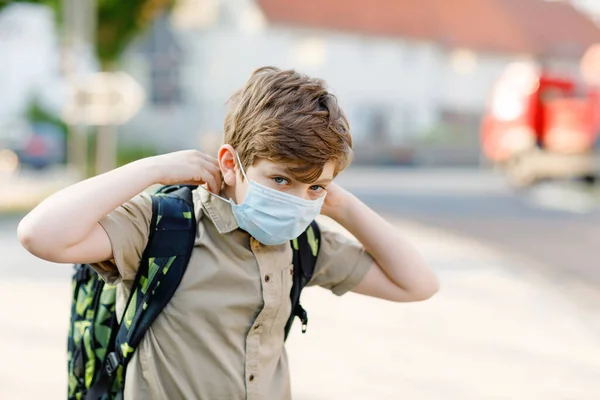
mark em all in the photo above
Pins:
pixel 105 98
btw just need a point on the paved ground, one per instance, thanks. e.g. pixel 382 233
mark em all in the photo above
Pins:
pixel 34 309
pixel 555 225
pixel 25 189
pixel 497 330
pixel 514 318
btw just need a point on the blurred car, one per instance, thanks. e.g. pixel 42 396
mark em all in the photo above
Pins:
pixel 25 145
pixel 44 147
pixel 540 125
pixel 12 139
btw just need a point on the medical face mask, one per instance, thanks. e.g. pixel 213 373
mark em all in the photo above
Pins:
pixel 273 217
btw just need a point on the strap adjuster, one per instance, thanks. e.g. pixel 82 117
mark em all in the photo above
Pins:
pixel 111 363
pixel 82 274
pixel 303 315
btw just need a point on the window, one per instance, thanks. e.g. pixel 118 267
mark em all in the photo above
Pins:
pixel 164 56
pixel 165 85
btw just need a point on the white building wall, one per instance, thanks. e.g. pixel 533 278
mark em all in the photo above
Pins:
pixel 410 82
pixel 29 60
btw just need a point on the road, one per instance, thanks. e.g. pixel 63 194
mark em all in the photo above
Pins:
pixel 508 323
pixel 555 225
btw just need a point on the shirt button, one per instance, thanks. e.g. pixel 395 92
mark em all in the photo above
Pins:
pixel 251 378
pixel 267 278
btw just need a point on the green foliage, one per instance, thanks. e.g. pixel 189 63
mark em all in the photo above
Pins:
pixel 55 4
pixel 129 152
pixel 119 21
pixel 36 113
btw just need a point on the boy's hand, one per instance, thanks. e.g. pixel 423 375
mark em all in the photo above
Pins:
pixel 399 273
pixel 336 201
pixel 188 167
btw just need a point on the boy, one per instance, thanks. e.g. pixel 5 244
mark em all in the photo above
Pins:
pixel 222 334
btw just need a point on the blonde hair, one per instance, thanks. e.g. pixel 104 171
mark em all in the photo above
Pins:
pixel 284 116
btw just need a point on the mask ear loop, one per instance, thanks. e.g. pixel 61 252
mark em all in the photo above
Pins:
pixel 220 197
pixel 241 167
pixel 214 194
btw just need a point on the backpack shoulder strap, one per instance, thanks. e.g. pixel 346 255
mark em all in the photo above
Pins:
pixel 305 251
pixel 170 244
pixel 163 264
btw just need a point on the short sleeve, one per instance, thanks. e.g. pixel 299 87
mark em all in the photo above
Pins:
pixel 127 228
pixel 342 262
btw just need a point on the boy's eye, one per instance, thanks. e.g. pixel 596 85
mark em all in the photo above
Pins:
pixel 317 188
pixel 280 181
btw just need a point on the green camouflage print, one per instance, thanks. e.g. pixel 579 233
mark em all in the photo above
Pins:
pixel 93 327
pixel 94 332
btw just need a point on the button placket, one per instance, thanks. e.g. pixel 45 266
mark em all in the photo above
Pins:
pixel 270 290
pixel 252 357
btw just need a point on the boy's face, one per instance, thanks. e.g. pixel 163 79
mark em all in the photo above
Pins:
pixel 276 176
pixel 272 175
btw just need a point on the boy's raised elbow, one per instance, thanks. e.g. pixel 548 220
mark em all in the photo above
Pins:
pixel 423 292
pixel 27 237
pixel 32 240
pixel 428 291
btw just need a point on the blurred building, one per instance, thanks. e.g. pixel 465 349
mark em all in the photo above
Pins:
pixel 29 66
pixel 31 87
pixel 406 72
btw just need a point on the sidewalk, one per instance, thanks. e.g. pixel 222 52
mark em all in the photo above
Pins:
pixel 495 331
pixel 23 191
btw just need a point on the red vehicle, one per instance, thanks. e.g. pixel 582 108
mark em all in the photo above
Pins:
pixel 539 126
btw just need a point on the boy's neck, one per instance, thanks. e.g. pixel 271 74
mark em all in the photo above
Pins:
pixel 228 192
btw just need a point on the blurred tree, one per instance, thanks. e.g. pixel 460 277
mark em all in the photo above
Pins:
pixel 36 112
pixel 52 3
pixel 118 22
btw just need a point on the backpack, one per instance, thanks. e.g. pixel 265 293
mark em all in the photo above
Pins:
pixel 99 348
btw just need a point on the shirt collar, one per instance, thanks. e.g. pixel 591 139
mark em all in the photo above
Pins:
pixel 218 210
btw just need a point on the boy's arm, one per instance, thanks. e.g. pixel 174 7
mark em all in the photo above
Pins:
pixel 64 228
pixel 399 272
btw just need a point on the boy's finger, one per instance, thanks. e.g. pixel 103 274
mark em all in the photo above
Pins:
pixel 212 160
pixel 211 181
pixel 210 166
pixel 219 180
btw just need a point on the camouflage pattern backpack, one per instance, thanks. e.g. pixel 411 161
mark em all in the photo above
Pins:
pixel 99 348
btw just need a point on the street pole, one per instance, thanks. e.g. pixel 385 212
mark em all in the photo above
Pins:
pixel 79 18
pixel 106 148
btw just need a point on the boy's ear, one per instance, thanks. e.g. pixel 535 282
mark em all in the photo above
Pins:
pixel 228 164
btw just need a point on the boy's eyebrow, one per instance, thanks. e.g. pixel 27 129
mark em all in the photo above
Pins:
pixel 322 181
pixel 278 170
pixel 286 172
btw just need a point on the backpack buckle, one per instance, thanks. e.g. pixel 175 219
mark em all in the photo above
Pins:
pixel 303 315
pixel 112 363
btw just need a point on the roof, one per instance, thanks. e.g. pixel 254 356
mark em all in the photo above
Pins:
pixel 538 27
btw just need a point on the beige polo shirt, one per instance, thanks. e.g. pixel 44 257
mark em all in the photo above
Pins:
pixel 222 335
